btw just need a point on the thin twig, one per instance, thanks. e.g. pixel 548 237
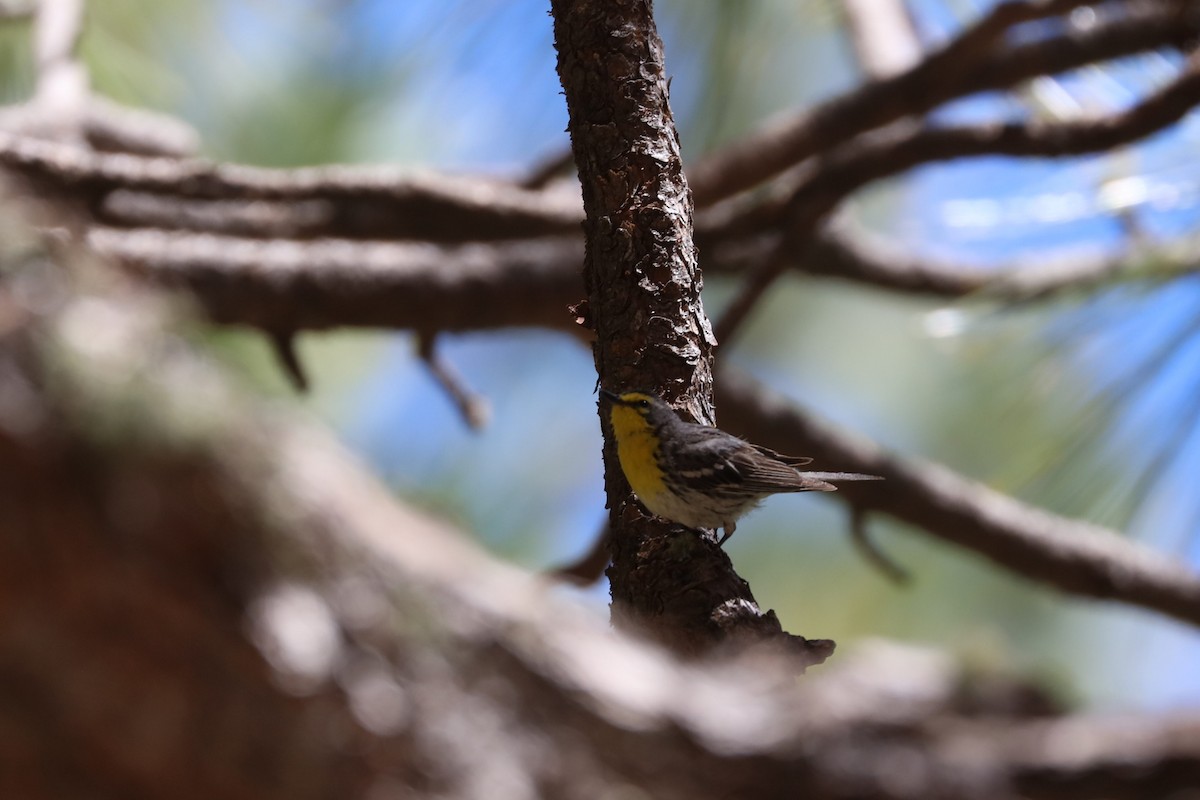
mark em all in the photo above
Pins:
pixel 549 168
pixel 869 550
pixel 587 570
pixel 473 407
pixel 283 343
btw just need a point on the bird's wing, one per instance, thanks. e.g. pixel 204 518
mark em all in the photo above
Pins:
pixel 715 458
pixel 765 471
pixel 707 461
pixel 791 461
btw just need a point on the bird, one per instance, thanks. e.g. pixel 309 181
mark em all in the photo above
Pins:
pixel 699 475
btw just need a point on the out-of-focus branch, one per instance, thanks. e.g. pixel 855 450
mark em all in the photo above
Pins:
pixel 729 246
pixel 473 407
pixel 844 250
pixel 285 285
pixel 255 282
pixel 550 167
pixel 904 146
pixel 17 10
pixel 293 286
pixel 63 107
pixel 211 565
pixel 970 63
pixel 62 81
pixel 373 203
pixel 1069 555
pixel 107 127
pixel 386 203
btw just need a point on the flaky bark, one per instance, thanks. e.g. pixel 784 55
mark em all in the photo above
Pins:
pixel 643 302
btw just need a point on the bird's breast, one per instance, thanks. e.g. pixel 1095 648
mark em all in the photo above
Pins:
pixel 637 449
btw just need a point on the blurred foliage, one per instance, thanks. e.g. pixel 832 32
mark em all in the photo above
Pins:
pixel 16 62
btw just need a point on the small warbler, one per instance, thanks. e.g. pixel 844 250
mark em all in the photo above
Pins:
pixel 698 475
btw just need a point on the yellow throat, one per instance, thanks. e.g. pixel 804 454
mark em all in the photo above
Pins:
pixel 636 446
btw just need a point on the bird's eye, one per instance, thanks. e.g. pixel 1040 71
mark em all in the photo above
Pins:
pixel 643 404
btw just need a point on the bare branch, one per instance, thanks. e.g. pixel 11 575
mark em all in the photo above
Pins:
pixel 1072 556
pixel 587 569
pixel 473 407
pixel 114 128
pixel 869 550
pixel 63 107
pixel 728 245
pixel 969 64
pixel 320 284
pixel 361 202
pixel 845 251
pixel 904 146
pixel 294 286
pixel 556 165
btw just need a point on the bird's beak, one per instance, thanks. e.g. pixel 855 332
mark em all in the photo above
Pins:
pixel 611 397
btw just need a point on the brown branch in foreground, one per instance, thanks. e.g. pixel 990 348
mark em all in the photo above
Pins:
pixel 159 553
pixel 903 147
pixel 1069 555
pixel 108 127
pixel 965 66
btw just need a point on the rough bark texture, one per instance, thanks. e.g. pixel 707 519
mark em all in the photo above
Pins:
pixel 643 301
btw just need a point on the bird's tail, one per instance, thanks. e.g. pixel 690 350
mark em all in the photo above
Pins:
pixel 840 476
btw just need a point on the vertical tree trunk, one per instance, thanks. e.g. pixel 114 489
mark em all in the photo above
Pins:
pixel 643 300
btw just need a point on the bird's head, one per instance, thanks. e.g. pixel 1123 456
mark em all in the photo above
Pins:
pixel 638 409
